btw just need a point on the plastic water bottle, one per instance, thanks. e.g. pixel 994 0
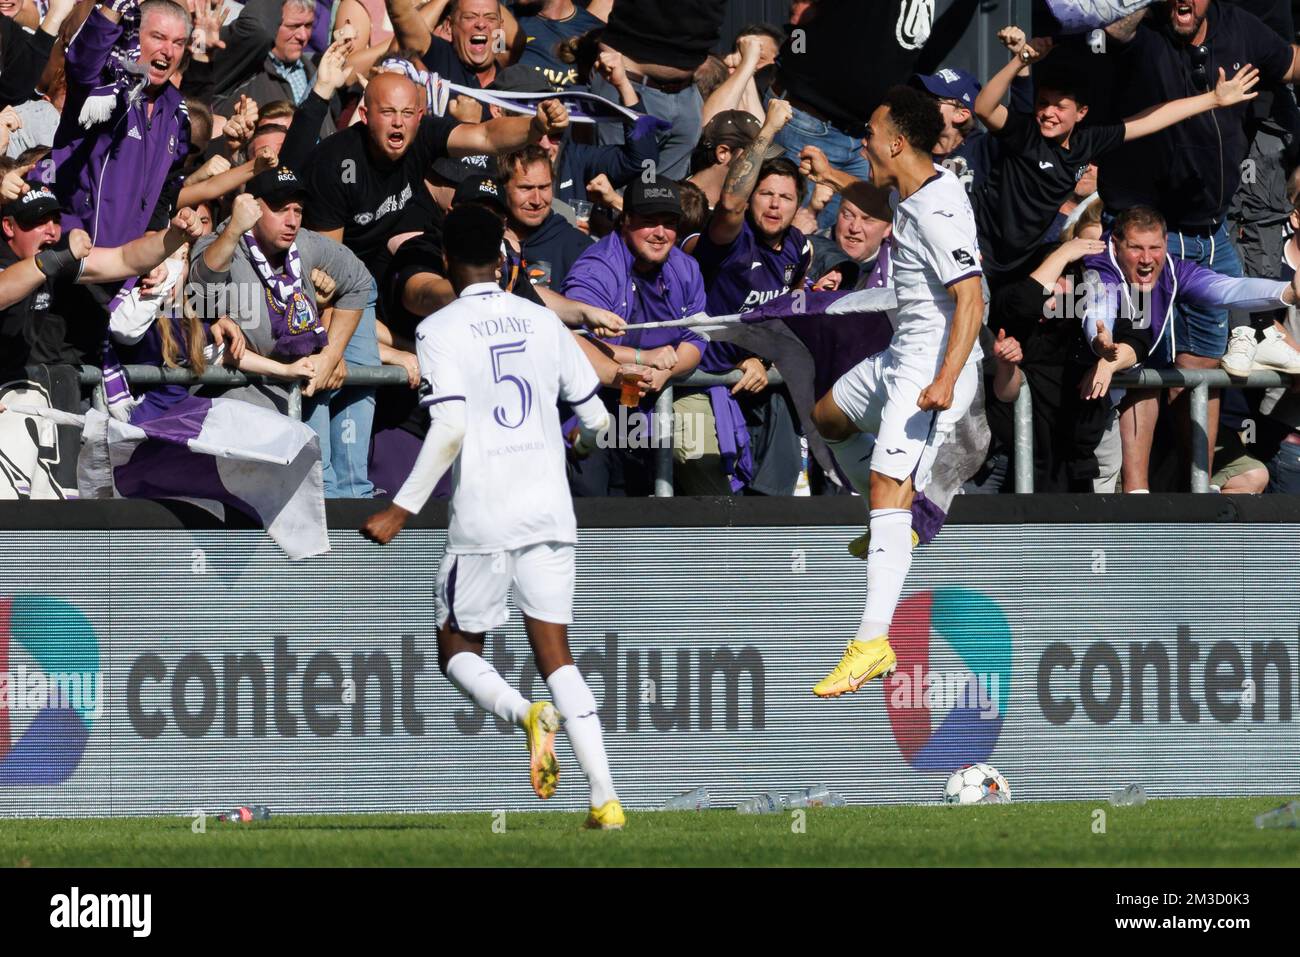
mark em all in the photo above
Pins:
pixel 697 800
pixel 1288 815
pixel 242 815
pixel 801 486
pixel 816 796
pixel 1131 796
pixel 995 797
pixel 764 804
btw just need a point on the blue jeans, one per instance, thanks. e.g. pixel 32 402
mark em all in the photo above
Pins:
pixel 1284 470
pixel 844 152
pixel 344 417
pixel 681 109
pixel 1201 330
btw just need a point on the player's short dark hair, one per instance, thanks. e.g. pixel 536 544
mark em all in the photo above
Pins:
pixel 782 166
pixel 1137 218
pixel 521 160
pixel 472 235
pixel 915 114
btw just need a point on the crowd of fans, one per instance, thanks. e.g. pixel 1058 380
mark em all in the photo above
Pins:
pixel 263 184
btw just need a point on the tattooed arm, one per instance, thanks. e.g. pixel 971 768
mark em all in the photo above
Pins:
pixel 742 176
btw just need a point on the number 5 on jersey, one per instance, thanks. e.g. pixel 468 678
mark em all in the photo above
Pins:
pixel 500 413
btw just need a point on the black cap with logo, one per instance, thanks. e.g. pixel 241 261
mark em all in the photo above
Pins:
pixel 480 189
pixel 33 206
pixel 648 199
pixel 277 186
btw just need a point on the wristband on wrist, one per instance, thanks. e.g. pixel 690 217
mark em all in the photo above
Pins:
pixel 58 263
pixel 638 357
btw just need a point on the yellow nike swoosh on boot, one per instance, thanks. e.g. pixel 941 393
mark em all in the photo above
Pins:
pixel 858 547
pixel 540 727
pixel 862 661
pixel 608 817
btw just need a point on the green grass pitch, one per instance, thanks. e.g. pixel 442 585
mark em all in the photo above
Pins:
pixel 1203 832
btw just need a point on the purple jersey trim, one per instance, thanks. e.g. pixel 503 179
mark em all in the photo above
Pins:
pixel 442 398
pixel 966 275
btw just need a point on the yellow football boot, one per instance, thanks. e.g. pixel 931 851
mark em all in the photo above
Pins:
pixel 608 817
pixel 862 661
pixel 540 726
pixel 858 547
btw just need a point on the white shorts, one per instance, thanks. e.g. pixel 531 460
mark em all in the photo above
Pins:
pixel 879 396
pixel 472 589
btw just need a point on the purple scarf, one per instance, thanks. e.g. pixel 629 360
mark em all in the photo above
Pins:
pixel 294 322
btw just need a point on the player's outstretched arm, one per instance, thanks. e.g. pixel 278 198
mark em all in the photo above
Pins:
pixel 441 446
pixel 966 323
pixel 871 199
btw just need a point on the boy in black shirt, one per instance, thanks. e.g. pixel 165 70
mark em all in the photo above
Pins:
pixel 1042 155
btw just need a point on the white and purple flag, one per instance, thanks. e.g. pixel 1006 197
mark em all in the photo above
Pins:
pixel 215 453
pixel 1078 16
pixel 813 338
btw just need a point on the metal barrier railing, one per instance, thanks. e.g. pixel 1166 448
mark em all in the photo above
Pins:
pixel 1199 381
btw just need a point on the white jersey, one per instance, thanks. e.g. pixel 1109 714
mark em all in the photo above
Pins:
pixel 508 360
pixel 934 245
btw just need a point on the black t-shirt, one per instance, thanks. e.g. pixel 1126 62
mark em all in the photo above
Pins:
pixel 441 59
pixel 368 197
pixel 31 333
pixel 1025 187
pixel 1189 171
pixel 827 70
pixel 676 33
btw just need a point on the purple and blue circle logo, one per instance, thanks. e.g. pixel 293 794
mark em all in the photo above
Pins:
pixel 51 689
pixel 973 690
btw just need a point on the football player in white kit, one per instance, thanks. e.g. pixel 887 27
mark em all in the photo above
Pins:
pixel 492 366
pixel 885 418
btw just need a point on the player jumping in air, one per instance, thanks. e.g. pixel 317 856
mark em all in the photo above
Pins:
pixel 492 366
pixel 885 418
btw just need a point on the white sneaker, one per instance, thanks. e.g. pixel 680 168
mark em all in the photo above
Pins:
pixel 1240 357
pixel 1274 353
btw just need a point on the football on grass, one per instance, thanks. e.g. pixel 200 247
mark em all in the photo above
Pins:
pixel 974 783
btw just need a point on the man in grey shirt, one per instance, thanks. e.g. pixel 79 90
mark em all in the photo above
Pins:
pixel 257 269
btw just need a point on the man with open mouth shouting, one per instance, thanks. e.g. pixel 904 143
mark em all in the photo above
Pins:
pixel 365 183
pixel 1189 172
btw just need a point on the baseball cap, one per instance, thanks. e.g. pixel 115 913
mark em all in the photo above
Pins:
pixel 661 196
pixel 277 186
pixel 479 189
pixel 950 84
pixel 735 128
pixel 31 207
pixel 458 170
pixel 521 78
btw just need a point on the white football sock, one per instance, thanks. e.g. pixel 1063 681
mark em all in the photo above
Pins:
pixel 482 684
pixel 888 561
pixel 577 705
pixel 854 457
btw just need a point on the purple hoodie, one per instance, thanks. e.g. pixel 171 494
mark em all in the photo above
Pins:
pixel 1109 297
pixel 109 178
pixel 602 276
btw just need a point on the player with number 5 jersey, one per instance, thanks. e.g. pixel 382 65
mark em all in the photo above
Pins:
pixel 492 367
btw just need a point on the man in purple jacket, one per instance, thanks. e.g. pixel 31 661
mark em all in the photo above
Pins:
pixel 1132 291
pixel 640 274
pixel 123 138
